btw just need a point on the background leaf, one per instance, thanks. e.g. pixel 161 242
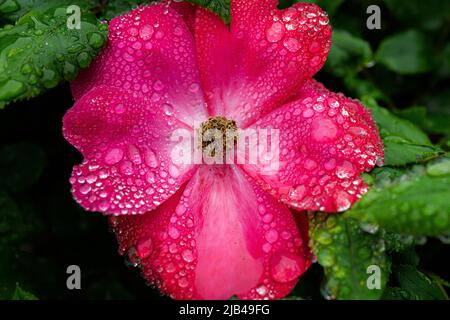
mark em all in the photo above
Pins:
pixel 418 285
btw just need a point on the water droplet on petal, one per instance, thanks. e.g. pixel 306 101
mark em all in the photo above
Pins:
pixel 146 32
pixel 276 32
pixel 120 108
pixel 85 189
pixel 183 282
pixel 113 156
pixel 174 233
pixel 271 236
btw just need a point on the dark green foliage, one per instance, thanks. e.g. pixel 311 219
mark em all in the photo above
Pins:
pixel 40 52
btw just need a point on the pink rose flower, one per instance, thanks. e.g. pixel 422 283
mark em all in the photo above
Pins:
pixel 211 231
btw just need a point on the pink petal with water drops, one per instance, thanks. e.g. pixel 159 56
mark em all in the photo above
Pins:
pixel 265 58
pixel 150 51
pixel 326 142
pixel 221 236
pixel 129 166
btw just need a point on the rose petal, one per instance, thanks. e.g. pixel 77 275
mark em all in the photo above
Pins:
pixel 263 60
pixel 127 145
pixel 325 142
pixel 150 51
pixel 222 236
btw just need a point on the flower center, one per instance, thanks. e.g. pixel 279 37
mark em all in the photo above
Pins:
pixel 218 135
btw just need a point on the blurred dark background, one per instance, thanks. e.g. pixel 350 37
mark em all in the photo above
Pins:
pixel 405 66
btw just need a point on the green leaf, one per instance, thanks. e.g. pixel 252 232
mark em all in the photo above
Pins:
pixel 221 7
pixel 41 51
pixel 21 165
pixel 12 10
pixel 403 141
pixel 361 87
pixel 406 53
pixel 414 203
pixel 20 294
pixel 17 222
pixel 418 285
pixel 346 251
pixel 396 294
pixel 415 114
pixel 116 8
pixel 428 14
pixel 348 54
pixel 330 6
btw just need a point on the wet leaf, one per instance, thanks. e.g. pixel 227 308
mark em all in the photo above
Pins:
pixel 348 54
pixel 418 285
pixel 346 252
pixel 415 202
pixel 396 294
pixel 40 52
